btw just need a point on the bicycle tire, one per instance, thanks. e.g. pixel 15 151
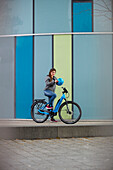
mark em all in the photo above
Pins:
pixel 32 113
pixel 74 121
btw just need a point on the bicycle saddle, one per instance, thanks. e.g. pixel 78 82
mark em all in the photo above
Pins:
pixel 39 99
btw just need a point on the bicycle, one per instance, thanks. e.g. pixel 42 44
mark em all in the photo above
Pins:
pixel 69 111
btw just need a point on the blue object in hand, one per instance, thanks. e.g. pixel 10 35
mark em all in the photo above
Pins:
pixel 60 81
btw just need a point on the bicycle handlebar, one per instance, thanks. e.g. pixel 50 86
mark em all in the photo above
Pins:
pixel 64 90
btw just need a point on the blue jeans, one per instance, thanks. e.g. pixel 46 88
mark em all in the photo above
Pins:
pixel 51 96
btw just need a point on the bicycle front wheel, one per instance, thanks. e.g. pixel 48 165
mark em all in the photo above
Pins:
pixel 70 112
pixel 37 116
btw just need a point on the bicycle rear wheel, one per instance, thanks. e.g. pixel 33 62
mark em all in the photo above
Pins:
pixel 73 115
pixel 37 116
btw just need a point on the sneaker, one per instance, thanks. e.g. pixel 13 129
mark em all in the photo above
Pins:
pixel 53 120
pixel 48 107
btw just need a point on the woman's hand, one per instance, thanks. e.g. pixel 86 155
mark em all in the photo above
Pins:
pixel 56 81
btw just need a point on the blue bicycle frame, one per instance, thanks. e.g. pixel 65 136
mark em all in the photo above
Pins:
pixel 56 107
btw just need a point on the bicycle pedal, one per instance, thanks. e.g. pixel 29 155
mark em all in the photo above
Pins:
pixel 53 113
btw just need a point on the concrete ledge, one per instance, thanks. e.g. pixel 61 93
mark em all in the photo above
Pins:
pixel 28 129
pixel 85 131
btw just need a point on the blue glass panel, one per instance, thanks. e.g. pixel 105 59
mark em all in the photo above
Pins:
pixel 24 64
pixel 82 17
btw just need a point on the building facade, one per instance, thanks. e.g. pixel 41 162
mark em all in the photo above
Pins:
pixel 83 60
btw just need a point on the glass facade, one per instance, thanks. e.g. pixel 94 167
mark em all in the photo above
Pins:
pixel 83 61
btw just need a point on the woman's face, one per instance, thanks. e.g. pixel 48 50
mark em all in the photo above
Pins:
pixel 53 73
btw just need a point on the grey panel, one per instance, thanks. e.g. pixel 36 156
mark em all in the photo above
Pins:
pixel 102 15
pixel 6 77
pixel 16 16
pixel 112 61
pixel 52 16
pixel 42 63
pixel 93 75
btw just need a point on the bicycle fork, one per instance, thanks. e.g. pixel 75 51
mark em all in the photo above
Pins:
pixel 67 106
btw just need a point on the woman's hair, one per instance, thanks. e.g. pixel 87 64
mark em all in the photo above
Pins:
pixel 52 69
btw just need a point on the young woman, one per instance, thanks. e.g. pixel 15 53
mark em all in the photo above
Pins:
pixel 50 87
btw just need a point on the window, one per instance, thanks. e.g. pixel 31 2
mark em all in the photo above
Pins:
pixel 82 16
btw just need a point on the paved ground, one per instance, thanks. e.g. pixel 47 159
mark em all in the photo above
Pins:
pixel 31 123
pixel 57 154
